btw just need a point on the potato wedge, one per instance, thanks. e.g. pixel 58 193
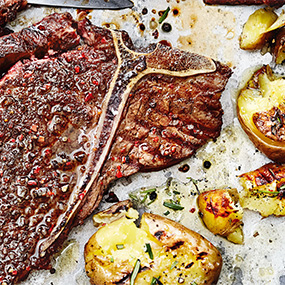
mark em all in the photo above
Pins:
pixel 256 30
pixel 264 190
pixel 221 213
pixel 174 253
pixel 261 112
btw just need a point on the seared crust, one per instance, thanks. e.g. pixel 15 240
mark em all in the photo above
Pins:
pixel 9 9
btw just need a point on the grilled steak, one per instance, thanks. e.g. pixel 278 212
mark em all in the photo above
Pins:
pixel 167 120
pixel 277 3
pixel 72 122
pixel 55 32
pixel 9 9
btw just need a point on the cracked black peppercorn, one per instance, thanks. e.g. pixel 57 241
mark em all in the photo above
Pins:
pixel 166 27
pixel 207 164
pixel 152 196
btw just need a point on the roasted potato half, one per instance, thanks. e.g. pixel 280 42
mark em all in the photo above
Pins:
pixel 264 190
pixel 221 213
pixel 256 31
pixel 261 112
pixel 161 251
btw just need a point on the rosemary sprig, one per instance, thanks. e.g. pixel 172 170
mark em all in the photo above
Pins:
pixel 164 15
pixel 172 206
pixel 149 250
pixel 120 246
pixel 173 264
pixel 135 271
pixel 267 192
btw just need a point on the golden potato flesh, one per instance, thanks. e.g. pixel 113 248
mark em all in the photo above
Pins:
pixel 264 190
pixel 221 213
pixel 261 112
pixel 256 30
pixel 177 255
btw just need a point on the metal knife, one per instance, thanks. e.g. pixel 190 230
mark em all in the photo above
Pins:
pixel 85 4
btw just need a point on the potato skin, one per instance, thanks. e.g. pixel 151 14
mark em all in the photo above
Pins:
pixel 179 254
pixel 273 149
pixel 275 152
pixel 221 214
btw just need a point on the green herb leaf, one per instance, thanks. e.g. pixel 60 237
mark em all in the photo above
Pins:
pixel 193 180
pixel 135 271
pixel 271 171
pixel 166 213
pixel 282 187
pixel 149 250
pixel 163 17
pixel 133 197
pixel 267 192
pixel 155 281
pixel 112 259
pixel 194 283
pixel 176 192
pixel 144 199
pixel 172 206
pixel 150 202
pixel 148 191
pixel 120 246
pixel 173 265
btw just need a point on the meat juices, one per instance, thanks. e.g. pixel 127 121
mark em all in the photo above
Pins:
pixel 74 121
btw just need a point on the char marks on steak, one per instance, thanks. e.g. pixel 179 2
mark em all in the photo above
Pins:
pixel 84 117
pixel 276 3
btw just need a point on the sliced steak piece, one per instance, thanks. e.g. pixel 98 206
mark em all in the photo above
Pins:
pixel 55 32
pixel 9 9
pixel 61 116
pixel 277 3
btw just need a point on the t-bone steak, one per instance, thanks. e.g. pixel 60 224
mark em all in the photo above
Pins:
pixel 78 118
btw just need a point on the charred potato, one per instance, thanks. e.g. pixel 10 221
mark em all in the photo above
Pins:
pixel 261 112
pixel 115 212
pixel 256 30
pixel 278 50
pixel 160 250
pixel 221 214
pixel 264 190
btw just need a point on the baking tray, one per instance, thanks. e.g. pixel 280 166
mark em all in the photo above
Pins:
pixel 212 31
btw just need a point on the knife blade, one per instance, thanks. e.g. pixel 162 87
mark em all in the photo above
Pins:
pixel 85 4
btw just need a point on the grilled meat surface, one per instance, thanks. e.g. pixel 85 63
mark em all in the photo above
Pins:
pixel 91 114
pixel 55 32
pixel 9 9
pixel 277 3
pixel 166 121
